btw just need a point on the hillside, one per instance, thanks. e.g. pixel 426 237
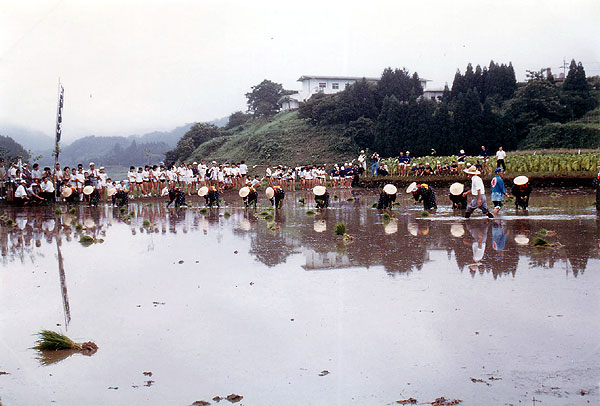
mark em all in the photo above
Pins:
pixel 283 139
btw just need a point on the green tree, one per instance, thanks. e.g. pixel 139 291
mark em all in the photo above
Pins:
pixel 575 91
pixel 362 132
pixel 236 119
pixel 198 134
pixel 536 103
pixel 263 100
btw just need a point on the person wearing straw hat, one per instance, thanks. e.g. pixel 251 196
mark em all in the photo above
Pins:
pixel 275 195
pixel 387 197
pixel 119 195
pixel 521 190
pixel 177 196
pixel 93 196
pixel 321 197
pixel 210 194
pixel 249 195
pixel 498 190
pixel 459 202
pixel 69 194
pixel 423 193
pixel 477 192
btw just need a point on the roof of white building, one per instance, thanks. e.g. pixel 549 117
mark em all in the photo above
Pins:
pixel 307 77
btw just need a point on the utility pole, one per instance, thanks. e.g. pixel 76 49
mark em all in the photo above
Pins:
pixel 564 67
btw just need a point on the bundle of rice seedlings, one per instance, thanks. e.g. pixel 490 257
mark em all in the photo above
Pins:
pixel 335 197
pixel 78 227
pixel 546 233
pixel 374 205
pixel 226 214
pixel 53 341
pixel 350 199
pixel 264 213
pixel 72 210
pixel 58 212
pixel 203 210
pixel 9 222
pixel 146 223
pixel 386 217
pixel 424 213
pixel 310 212
pixel 539 242
pixel 122 209
pixel 131 213
pixel 271 225
pixel 301 200
pixel 340 228
pixel 269 217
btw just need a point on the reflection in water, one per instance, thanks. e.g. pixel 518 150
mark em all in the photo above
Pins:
pixel 63 286
pixel 401 244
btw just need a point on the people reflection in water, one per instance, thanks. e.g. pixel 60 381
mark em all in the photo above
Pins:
pixel 405 247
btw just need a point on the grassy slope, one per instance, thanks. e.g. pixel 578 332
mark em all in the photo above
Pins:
pixel 283 139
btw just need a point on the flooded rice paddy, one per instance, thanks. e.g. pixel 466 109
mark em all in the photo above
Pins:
pixel 191 306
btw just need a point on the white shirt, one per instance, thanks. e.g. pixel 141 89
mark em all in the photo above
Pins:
pixel 48 187
pixel 243 169
pixel 477 185
pixel 20 192
pixel 500 155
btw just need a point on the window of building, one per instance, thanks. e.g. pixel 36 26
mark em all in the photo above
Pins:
pixel 346 86
pixel 335 85
pixel 322 85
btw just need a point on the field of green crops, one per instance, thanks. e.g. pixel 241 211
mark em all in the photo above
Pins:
pixel 544 162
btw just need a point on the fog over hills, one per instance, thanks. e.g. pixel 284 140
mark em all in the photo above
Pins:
pixel 109 150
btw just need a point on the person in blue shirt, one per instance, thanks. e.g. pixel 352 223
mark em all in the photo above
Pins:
pixel 484 156
pixel 498 190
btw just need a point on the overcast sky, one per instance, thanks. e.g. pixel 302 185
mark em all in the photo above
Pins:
pixel 137 66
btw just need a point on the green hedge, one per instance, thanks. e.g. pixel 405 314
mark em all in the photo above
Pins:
pixel 570 135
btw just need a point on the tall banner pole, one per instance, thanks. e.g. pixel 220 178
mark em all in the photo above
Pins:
pixel 58 131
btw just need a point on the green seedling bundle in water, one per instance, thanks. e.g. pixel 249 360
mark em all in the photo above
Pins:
pixel 52 341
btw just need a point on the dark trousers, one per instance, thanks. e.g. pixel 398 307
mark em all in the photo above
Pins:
pixel 500 162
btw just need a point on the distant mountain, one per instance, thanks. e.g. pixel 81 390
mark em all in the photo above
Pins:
pixel 30 139
pixel 130 150
pixel 10 150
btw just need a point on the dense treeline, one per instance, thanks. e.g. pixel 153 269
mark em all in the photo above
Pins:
pixel 10 150
pixel 485 106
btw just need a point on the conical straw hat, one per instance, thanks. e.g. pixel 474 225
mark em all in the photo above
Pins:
pixel 245 191
pixel 390 189
pixel 471 170
pixel 521 180
pixel 319 190
pixel 66 192
pixel 111 192
pixel 456 188
pixel 88 190
pixel 203 191
pixel 413 229
pixel 270 192
pixel 411 188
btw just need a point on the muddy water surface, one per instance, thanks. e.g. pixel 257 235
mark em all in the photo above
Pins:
pixel 282 312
